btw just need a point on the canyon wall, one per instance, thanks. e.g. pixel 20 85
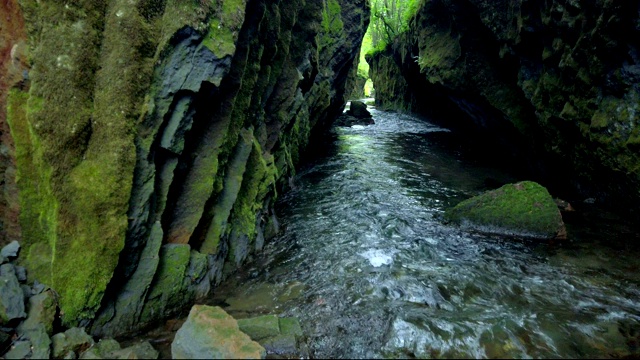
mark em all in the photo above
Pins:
pixel 553 86
pixel 152 138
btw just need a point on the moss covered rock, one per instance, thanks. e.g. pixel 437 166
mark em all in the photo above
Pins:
pixel 152 138
pixel 523 209
pixel 211 333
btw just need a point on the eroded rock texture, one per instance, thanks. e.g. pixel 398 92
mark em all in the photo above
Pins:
pixel 152 138
pixel 552 85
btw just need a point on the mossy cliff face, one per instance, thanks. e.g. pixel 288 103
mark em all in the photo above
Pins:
pixel 12 74
pixel 559 78
pixel 153 137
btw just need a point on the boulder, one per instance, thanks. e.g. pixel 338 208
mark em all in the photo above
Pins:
pixel 101 350
pixel 210 332
pixel 358 109
pixel 40 341
pixel 11 296
pixel 524 209
pixel 356 115
pixel 281 345
pixel 21 274
pixel 74 339
pixel 11 250
pixel 39 323
pixel 42 310
pixel 260 327
pixel 111 349
pixel 5 341
pixel 19 350
pixel 290 326
pixel 279 336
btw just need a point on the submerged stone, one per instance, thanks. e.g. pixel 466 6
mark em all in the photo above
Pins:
pixel 111 349
pixel 523 209
pixel 260 327
pixel 210 332
pixel 290 326
pixel 142 350
pixel 281 345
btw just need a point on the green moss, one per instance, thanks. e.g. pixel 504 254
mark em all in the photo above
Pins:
pixel 439 52
pixel 167 290
pixel 261 327
pixel 258 181
pixel 525 208
pixel 219 40
pixel 332 27
pixel 91 67
pixel 38 205
pixel 224 28
pixel 233 179
pixel 599 120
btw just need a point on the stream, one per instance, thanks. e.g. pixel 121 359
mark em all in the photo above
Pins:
pixel 370 270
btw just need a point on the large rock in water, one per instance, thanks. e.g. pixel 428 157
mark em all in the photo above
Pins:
pixel 211 333
pixel 356 115
pixel 359 110
pixel 523 209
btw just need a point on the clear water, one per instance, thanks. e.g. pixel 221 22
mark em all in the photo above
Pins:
pixel 371 271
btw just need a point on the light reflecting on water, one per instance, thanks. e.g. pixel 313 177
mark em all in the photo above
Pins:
pixel 370 270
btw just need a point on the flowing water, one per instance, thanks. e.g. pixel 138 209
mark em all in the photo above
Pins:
pixel 367 265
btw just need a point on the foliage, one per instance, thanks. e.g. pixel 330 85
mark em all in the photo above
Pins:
pixel 390 18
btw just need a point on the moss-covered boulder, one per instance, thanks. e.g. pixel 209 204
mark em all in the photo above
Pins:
pixel 74 340
pixel 523 209
pixel 211 333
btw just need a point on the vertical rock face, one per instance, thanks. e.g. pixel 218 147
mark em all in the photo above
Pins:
pixel 12 74
pixel 560 77
pixel 152 138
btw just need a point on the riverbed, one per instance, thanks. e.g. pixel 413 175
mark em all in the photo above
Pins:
pixel 368 266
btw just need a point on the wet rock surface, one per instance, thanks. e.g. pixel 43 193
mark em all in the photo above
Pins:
pixel 523 209
pixel 550 89
pixel 280 336
pixel 210 332
pixel 357 114
pixel 10 251
pixel 207 122
pixel 12 307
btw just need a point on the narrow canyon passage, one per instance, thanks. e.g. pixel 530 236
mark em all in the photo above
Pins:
pixel 370 269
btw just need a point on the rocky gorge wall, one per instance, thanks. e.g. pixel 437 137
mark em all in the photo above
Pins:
pixel 552 86
pixel 152 138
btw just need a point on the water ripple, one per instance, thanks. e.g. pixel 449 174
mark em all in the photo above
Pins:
pixel 384 277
